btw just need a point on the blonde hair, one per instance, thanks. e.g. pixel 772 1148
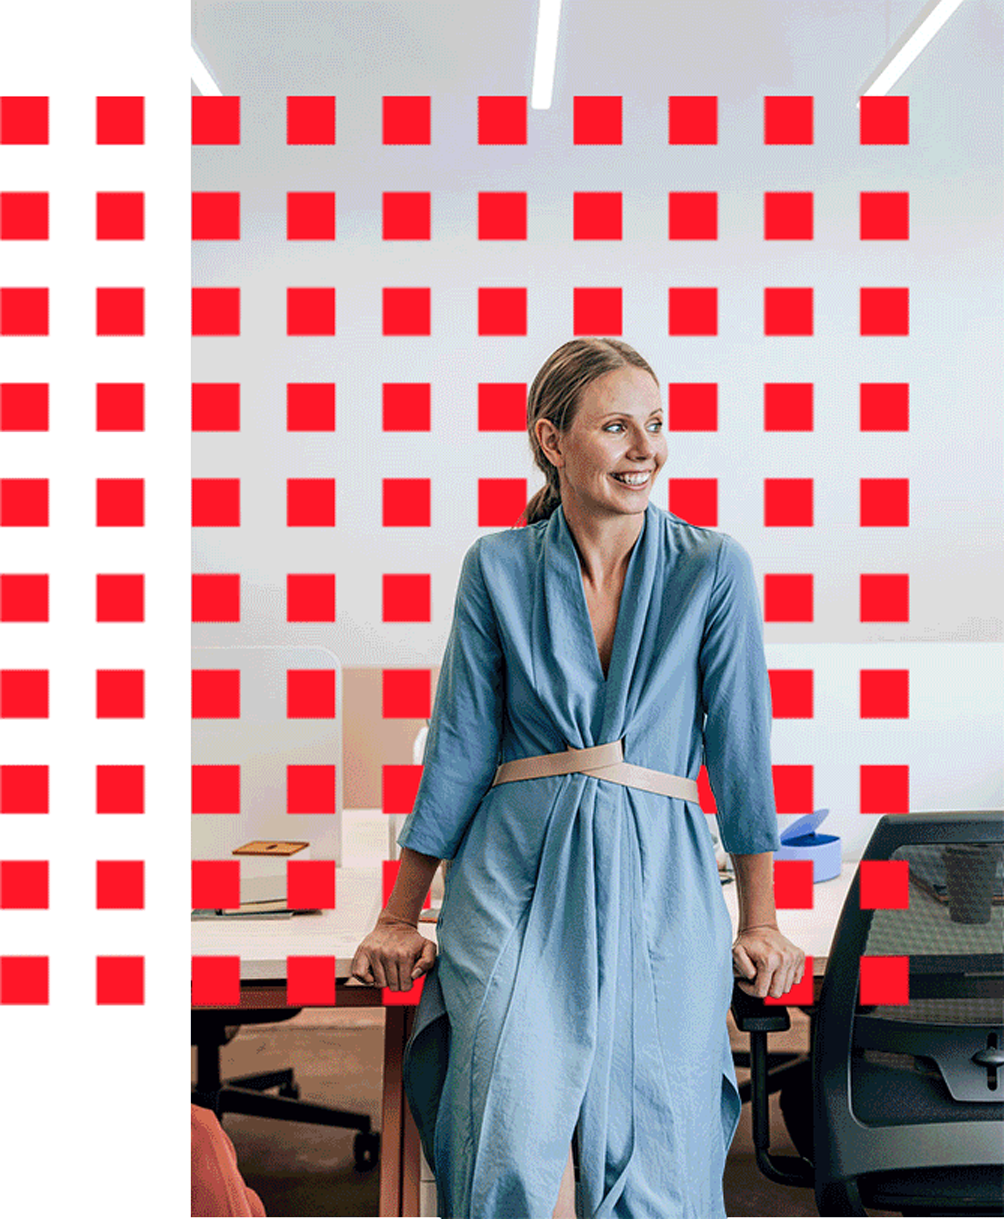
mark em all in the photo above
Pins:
pixel 556 394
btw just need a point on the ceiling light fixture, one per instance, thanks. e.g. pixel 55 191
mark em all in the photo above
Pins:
pixel 548 21
pixel 901 55
pixel 202 75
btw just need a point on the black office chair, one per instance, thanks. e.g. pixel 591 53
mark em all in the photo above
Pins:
pixel 249 1093
pixel 902 1106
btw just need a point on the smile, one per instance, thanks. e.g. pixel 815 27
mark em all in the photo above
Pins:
pixel 633 480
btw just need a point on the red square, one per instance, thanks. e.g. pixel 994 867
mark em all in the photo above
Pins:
pixel 216 311
pixel 885 120
pixel 597 311
pixel 216 884
pixel 791 695
pixel 407 693
pixel 693 406
pixel 885 789
pixel 120 215
pixel 793 880
pixel 407 598
pixel 24 694
pixel 500 501
pixel 310 598
pixel 787 406
pixel 788 598
pixel 310 501
pixel 216 120
pixel 24 120
pixel 885 980
pixel 391 868
pixel 120 789
pixel 310 215
pixel 24 789
pixel 693 215
pixel 310 981
pixel 597 215
pixel 787 311
pixel 119 407
pixel 216 598
pixel 24 501
pixel 693 120
pixel 884 406
pixel 800 993
pixel 885 215
pixel 310 120
pixel 501 120
pixel 885 598
pixel 216 694
pixel 119 120
pixel 407 311
pixel 24 980
pixel 216 789
pixel 787 215
pixel 885 694
pixel 693 311
pixel 695 500
pixel 407 120
pixel 596 120
pixel 216 502
pixel 310 311
pixel 885 311
pixel 310 884
pixel 216 981
pixel 24 311
pixel 120 884
pixel 119 311
pixel 216 215
pixel 24 215
pixel 119 598
pixel 310 789
pixel 310 694
pixel 501 406
pixel 399 786
pixel 885 501
pixel 787 120
pixel 24 406
pixel 793 790
pixel 119 502
pixel 310 407
pixel 403 998
pixel 407 215
pixel 406 501
pixel 884 884
pixel 502 215
pixel 787 501
pixel 24 884
pixel 216 406
pixel 24 598
pixel 407 406
pixel 120 694
pixel 501 311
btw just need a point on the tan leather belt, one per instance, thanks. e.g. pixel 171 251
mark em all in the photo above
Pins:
pixel 602 762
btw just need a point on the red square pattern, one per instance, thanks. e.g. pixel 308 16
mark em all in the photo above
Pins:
pixel 24 311
pixel 787 501
pixel 216 597
pixel 597 215
pixel 406 501
pixel 216 215
pixel 885 598
pixel 407 215
pixel 216 120
pixel 693 215
pixel 885 120
pixel 24 980
pixel 501 120
pixel 24 215
pixel 787 311
pixel 885 501
pixel 216 981
pixel 310 694
pixel 693 407
pixel 120 884
pixel 310 120
pixel 407 311
pixel 693 120
pixel 310 884
pixel 693 311
pixel 119 120
pixel 391 867
pixel 119 311
pixel 119 598
pixel 885 884
pixel 216 406
pixel 24 120
pixel 24 598
pixel 885 789
pixel 119 789
pixel 310 789
pixel 310 311
pixel 787 215
pixel 24 406
pixel 407 406
pixel 310 981
pixel 787 597
pixel 791 694
pixel 885 694
pixel 800 993
pixel 501 406
pixel 884 406
pixel 310 215
pixel 119 407
pixel 24 501
pixel 695 500
pixel 787 120
pixel 310 406
pixel 502 215
pixel 216 884
pixel 119 502
pixel 407 120
pixel 793 884
pixel 120 216
pixel 24 884
pixel 310 597
pixel 310 502
pixel 24 694
pixel 399 786
pixel 596 120
pixel 501 311
pixel 216 694
pixel 793 792
pixel 407 693
pixel 24 789
pixel 216 789
pixel 216 311
pixel 500 501
pixel 216 502
pixel 787 406
pixel 597 311
pixel 885 311
pixel 407 598
pixel 403 998
pixel 885 215
pixel 119 694
pixel 885 980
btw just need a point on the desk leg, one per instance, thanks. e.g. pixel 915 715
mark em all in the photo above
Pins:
pixel 399 1143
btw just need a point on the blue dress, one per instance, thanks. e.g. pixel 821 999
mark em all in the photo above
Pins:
pixel 584 969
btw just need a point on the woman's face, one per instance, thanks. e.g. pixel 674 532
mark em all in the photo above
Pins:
pixel 617 430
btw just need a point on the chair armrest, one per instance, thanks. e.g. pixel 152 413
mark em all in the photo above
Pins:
pixel 752 1015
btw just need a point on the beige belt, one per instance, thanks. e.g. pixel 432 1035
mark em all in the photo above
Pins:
pixel 602 762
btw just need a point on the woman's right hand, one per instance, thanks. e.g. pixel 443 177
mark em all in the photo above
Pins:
pixel 393 955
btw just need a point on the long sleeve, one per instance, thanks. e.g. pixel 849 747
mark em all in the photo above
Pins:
pixel 463 744
pixel 735 696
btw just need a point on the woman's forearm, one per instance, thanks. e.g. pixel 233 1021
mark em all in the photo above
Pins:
pixel 413 880
pixel 755 885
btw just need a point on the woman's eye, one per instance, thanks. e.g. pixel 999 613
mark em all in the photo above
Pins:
pixel 656 423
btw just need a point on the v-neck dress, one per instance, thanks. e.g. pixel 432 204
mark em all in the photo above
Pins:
pixel 584 969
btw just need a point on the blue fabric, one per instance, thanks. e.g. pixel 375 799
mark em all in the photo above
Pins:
pixel 584 970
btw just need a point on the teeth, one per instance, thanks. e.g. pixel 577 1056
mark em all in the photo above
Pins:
pixel 632 480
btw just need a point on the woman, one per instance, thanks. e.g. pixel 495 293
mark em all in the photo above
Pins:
pixel 583 973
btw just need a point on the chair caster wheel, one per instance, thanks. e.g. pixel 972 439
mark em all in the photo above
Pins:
pixel 367 1150
pixel 290 1090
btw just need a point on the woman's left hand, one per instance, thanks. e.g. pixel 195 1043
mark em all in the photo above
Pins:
pixel 766 963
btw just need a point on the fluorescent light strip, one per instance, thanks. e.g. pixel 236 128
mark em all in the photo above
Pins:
pixel 929 22
pixel 548 21
pixel 202 76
